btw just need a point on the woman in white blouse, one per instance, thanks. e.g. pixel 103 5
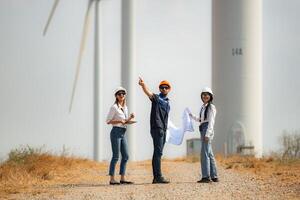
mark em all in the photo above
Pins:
pixel 207 120
pixel 118 117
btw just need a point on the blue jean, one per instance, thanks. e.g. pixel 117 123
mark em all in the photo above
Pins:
pixel 118 144
pixel 208 162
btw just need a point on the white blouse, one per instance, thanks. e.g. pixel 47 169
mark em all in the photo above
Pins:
pixel 117 113
pixel 211 115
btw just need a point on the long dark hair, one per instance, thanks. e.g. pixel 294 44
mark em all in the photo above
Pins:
pixel 208 105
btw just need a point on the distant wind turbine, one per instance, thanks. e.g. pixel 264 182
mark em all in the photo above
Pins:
pixel 83 39
pixel 128 64
pixel 97 68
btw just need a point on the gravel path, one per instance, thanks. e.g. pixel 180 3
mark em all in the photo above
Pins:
pixel 183 176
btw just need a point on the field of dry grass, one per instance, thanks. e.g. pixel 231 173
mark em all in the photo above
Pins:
pixel 286 172
pixel 32 171
pixel 270 169
pixel 29 170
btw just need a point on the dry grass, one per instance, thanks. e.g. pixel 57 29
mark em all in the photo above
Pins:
pixel 26 168
pixel 287 171
pixel 269 168
pixel 29 170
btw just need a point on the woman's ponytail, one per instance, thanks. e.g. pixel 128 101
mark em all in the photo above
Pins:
pixel 208 106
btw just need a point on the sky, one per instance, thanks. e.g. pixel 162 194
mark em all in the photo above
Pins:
pixel 173 41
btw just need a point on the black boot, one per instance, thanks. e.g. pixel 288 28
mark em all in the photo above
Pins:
pixel 204 180
pixel 126 182
pixel 114 183
pixel 215 179
pixel 160 180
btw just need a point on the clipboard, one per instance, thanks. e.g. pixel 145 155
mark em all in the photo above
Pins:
pixel 131 122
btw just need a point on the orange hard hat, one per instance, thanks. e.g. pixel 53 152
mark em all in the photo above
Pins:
pixel 164 82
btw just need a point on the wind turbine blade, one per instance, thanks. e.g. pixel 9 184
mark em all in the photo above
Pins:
pixel 81 50
pixel 50 16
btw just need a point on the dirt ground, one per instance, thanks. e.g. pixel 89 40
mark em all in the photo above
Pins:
pixel 234 184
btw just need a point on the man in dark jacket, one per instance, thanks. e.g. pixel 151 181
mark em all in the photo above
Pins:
pixel 159 123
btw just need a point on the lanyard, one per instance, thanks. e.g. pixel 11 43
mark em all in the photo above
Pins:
pixel 123 112
pixel 202 108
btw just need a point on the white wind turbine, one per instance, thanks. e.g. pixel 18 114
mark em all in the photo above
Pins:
pixel 97 66
pixel 83 38
pixel 128 65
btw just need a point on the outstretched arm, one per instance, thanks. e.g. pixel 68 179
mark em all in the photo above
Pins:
pixel 197 119
pixel 145 88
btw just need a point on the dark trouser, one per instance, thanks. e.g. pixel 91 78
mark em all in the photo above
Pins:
pixel 159 140
pixel 118 143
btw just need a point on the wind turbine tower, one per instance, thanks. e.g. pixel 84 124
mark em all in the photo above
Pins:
pixel 237 75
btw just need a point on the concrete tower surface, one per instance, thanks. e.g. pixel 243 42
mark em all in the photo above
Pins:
pixel 237 75
pixel 128 64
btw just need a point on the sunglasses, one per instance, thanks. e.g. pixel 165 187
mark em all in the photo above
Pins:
pixel 164 87
pixel 205 94
pixel 121 93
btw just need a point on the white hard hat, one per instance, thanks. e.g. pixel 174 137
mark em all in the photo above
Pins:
pixel 207 89
pixel 120 89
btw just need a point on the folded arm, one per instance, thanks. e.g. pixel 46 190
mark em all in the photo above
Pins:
pixel 110 117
